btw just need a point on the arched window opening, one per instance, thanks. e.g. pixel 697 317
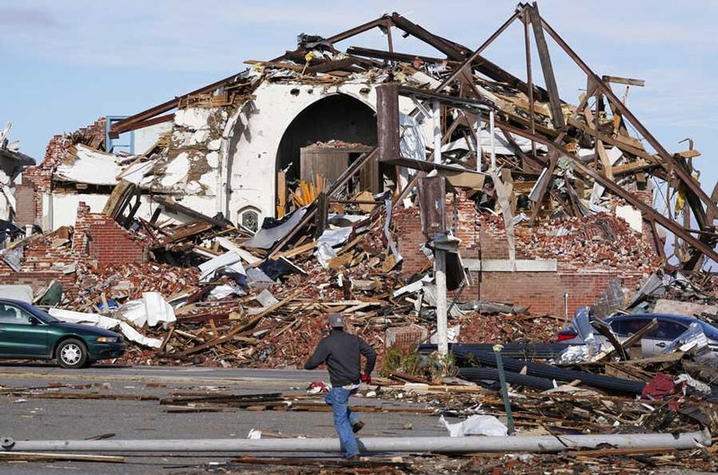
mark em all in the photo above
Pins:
pixel 248 217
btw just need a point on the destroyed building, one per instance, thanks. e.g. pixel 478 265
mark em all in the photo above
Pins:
pixel 551 202
pixel 432 201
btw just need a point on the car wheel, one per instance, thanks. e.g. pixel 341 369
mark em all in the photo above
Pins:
pixel 71 353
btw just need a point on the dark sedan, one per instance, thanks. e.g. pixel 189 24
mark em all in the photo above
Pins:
pixel 27 332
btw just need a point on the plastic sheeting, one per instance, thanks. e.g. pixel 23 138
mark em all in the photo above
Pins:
pixel 476 425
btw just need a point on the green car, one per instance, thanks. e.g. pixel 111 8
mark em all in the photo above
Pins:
pixel 26 332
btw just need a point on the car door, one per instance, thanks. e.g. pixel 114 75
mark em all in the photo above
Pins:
pixel 656 341
pixel 21 334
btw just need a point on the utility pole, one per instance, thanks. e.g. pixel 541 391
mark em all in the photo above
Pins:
pixel 442 326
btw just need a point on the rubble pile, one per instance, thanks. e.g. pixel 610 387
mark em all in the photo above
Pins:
pixel 501 327
pixel 244 319
pixel 128 282
pixel 602 240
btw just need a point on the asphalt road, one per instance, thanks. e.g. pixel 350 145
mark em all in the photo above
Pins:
pixel 29 418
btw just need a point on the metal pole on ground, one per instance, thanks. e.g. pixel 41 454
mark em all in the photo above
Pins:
pixel 544 443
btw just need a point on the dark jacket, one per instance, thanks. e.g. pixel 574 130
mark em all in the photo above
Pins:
pixel 340 351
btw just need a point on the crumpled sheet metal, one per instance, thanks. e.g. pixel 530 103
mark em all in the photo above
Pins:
pixel 229 261
pixel 693 337
pixel 94 319
pixel 265 238
pixel 151 310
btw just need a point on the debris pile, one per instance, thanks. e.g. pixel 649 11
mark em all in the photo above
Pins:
pixel 455 197
pixel 271 312
pixel 602 241
pixel 516 186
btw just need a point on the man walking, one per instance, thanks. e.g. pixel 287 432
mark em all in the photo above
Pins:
pixel 341 352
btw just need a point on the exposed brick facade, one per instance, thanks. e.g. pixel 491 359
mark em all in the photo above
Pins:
pixel 26 208
pixel 95 240
pixel 105 241
pixel 541 292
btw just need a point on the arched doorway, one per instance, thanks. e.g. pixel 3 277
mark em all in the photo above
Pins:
pixel 335 117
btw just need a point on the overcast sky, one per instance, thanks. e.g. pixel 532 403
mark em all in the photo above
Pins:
pixel 66 63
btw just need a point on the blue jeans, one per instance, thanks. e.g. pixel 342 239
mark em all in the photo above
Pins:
pixel 338 398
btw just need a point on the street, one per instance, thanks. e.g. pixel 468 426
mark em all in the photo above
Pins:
pixel 35 417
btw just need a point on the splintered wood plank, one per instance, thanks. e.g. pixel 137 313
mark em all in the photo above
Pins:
pixel 39 456
pixel 251 323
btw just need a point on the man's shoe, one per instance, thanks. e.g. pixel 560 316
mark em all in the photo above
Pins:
pixel 357 426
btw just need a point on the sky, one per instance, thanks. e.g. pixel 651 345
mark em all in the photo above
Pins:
pixel 66 63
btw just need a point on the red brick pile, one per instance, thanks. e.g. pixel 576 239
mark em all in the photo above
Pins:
pixel 129 281
pixel 598 241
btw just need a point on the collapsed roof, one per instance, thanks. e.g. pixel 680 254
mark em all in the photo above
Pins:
pixel 574 156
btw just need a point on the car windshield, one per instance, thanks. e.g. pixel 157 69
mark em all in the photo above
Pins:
pixel 41 314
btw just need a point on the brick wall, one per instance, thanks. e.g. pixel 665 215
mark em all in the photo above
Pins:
pixel 543 292
pixel 104 240
pixel 407 223
pixel 40 176
pixel 467 228
pixel 45 258
pixel 25 204
pixel 96 239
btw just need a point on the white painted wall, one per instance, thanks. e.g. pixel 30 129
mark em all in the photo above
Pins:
pixel 258 129
pixel 64 207
pixel 147 137
pixel 248 154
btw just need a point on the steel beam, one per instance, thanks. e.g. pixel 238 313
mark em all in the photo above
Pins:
pixel 553 159
pixel 547 68
pixel 651 214
pixel 387 122
pixel 124 124
pixel 670 164
pixel 356 30
pixel 458 52
pixel 477 54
